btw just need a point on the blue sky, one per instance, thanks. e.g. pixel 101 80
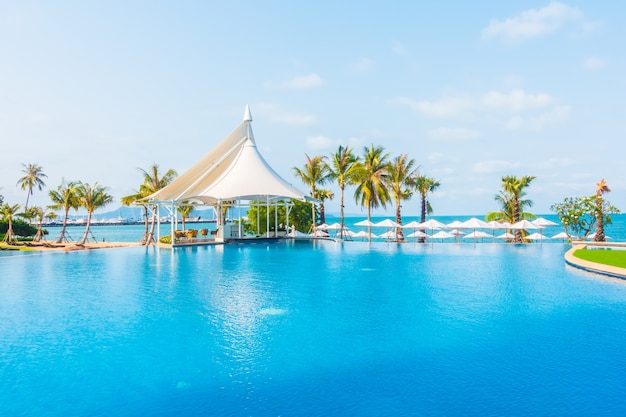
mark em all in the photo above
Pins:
pixel 472 91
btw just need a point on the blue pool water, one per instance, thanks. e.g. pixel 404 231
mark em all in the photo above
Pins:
pixel 310 329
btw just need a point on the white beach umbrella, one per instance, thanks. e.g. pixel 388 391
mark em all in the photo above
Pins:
pixel 494 224
pixel 475 223
pixel 506 235
pixel 455 225
pixel 524 225
pixel 386 223
pixel 432 224
pixel 456 232
pixel 476 234
pixel 362 234
pixel 562 236
pixel 442 234
pixel 322 226
pixel 364 223
pixel 411 225
pixel 417 234
pixel 541 222
pixel 389 235
pixel 334 226
pixel 534 236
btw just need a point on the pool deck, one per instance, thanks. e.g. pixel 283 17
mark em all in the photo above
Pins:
pixel 602 269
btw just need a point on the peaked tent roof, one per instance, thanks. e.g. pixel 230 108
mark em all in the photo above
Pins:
pixel 233 170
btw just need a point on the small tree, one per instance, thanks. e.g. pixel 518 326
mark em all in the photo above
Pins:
pixel 91 198
pixel 579 214
pixel 8 212
pixel 185 211
pixel 299 217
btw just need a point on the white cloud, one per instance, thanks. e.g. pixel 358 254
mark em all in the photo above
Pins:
pixel 594 63
pixel 363 65
pixel 320 142
pixel 532 23
pixel 451 134
pixel 446 107
pixel 435 157
pixel 399 49
pixel 325 143
pixel 494 166
pixel 512 110
pixel 275 114
pixel 516 100
pixel 303 82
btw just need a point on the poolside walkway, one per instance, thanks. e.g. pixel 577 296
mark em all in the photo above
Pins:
pixel 607 270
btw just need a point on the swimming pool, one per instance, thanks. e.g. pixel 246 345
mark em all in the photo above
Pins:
pixel 306 329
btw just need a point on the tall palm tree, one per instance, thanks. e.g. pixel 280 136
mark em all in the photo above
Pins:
pixel 401 175
pixel 513 205
pixel 8 212
pixel 64 197
pixel 341 168
pixel 33 178
pixel 323 195
pixel 92 198
pixel 314 173
pixel 153 181
pixel 601 188
pixel 127 200
pixel 371 180
pixel 425 185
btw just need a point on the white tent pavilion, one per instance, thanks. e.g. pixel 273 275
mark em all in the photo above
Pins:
pixel 232 174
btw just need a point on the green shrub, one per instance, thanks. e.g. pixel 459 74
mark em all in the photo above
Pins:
pixel 167 240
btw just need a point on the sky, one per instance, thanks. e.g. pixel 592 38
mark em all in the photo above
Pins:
pixel 472 91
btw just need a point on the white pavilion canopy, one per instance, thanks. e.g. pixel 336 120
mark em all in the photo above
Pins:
pixel 233 170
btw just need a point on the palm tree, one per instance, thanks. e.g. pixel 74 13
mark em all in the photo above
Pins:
pixel 400 181
pixel 64 197
pixel 40 213
pixel 33 178
pixel 601 188
pixel 92 198
pixel 425 185
pixel 341 168
pixel 314 173
pixel 371 178
pixel 323 195
pixel 153 181
pixel 8 212
pixel 185 210
pixel 133 198
pixel 512 203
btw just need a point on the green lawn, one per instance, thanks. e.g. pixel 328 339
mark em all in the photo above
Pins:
pixel 603 256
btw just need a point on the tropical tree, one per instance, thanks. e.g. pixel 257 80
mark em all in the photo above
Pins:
pixel 342 168
pixel 371 178
pixel 299 216
pixel 185 211
pixel 512 203
pixel 39 214
pixel 322 195
pixel 33 178
pixel 64 197
pixel 8 212
pixel 579 215
pixel 401 175
pixel 91 198
pixel 425 185
pixel 315 172
pixel 601 189
pixel 153 181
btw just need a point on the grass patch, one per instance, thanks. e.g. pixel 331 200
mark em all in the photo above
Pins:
pixel 603 256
